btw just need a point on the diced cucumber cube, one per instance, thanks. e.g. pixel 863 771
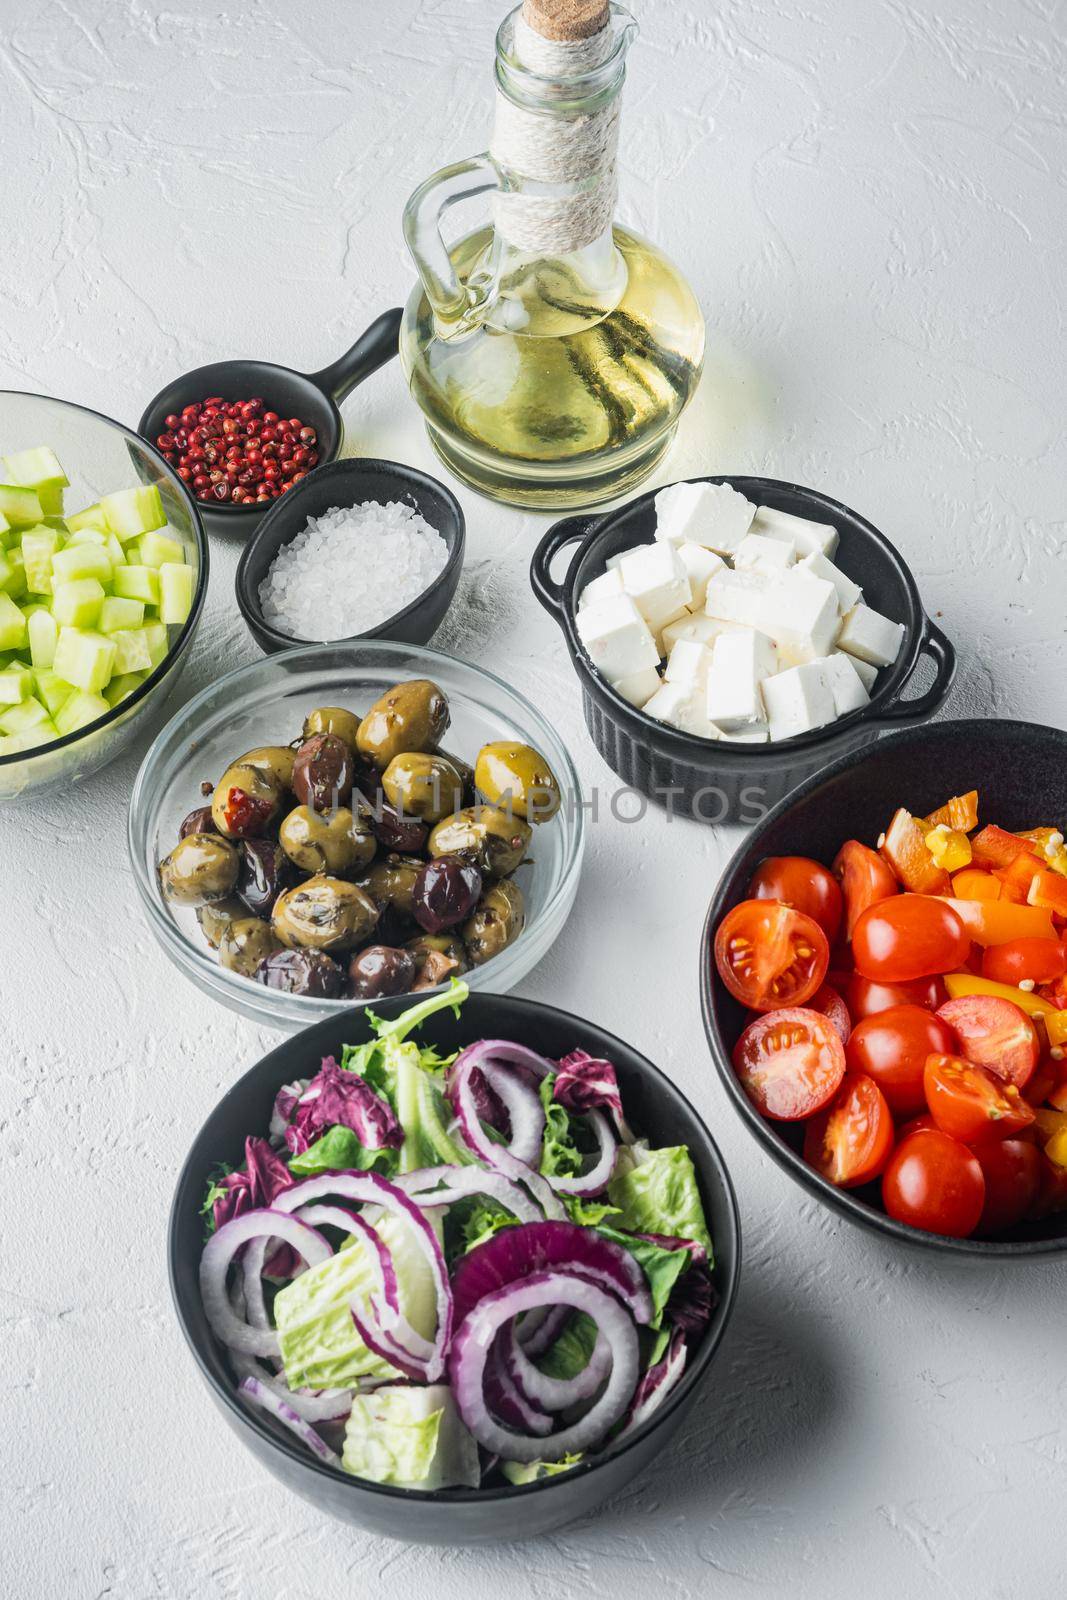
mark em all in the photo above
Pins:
pixel 116 613
pixel 14 583
pixel 120 687
pixel 7 568
pixel 20 506
pixel 79 710
pixel 175 591
pixel 131 512
pixel 27 714
pixel 115 551
pixel 43 633
pixel 77 604
pixel 84 658
pixel 36 467
pixel 157 548
pixel 91 517
pixel 41 733
pixel 39 545
pixel 131 651
pixel 97 536
pixel 12 624
pixel 16 685
pixel 158 641
pixel 51 690
pixel 137 583
pixel 81 561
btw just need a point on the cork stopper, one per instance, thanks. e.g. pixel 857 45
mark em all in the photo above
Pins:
pixel 565 20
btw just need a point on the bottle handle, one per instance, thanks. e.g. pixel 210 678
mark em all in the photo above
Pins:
pixel 452 302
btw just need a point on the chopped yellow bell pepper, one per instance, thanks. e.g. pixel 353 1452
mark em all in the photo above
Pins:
pixel 1056 1027
pixel 962 983
pixel 1056 1149
pixel 1049 1123
pixel 950 848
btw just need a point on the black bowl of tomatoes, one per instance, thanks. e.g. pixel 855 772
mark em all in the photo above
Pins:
pixel 884 987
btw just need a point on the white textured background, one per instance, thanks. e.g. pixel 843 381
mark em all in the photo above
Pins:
pixel 869 199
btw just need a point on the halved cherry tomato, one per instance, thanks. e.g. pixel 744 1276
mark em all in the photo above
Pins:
pixel 769 955
pixel 996 1034
pixel 805 885
pixel 996 921
pixel 970 1103
pixel 790 1063
pixel 892 1048
pixel 934 1182
pixel 866 999
pixel 829 1002
pixel 1039 960
pixel 850 1141
pixel 864 879
pixel 910 936
pixel 975 883
pixel 1012 1172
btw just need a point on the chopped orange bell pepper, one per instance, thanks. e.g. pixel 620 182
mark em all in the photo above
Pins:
pixel 996 921
pixel 1056 1028
pixel 1056 1149
pixel 1048 890
pixel 961 812
pixel 975 883
pixel 906 850
pixel 961 983
pixel 994 847
pixel 1017 876
pixel 1049 1123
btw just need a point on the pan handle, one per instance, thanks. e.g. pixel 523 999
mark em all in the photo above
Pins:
pixel 374 347
pixel 938 647
pixel 558 537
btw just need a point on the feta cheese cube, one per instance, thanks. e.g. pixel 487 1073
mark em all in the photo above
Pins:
pixel 740 597
pixel 870 636
pixel 799 614
pixel 701 627
pixel 601 588
pixel 807 536
pixel 709 514
pixel 817 566
pixel 798 700
pixel 700 565
pixel 638 687
pixel 617 559
pixel 868 675
pixel 689 663
pixel 616 637
pixel 768 555
pixel 846 685
pixel 657 583
pixel 739 664
pixel 758 734
pixel 683 708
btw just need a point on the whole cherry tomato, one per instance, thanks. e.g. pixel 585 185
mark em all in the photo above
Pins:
pixel 892 1047
pixel 769 955
pixel 850 1141
pixel 909 936
pixel 864 878
pixel 970 1103
pixel 805 885
pixel 1040 960
pixel 790 1063
pixel 934 1182
pixel 829 1002
pixel 866 999
pixel 1012 1172
pixel 994 1033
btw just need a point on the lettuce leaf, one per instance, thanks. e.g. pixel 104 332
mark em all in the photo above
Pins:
pixel 656 1192
pixel 410 1437
pixel 532 1471
pixel 571 1351
pixel 341 1151
pixel 661 1267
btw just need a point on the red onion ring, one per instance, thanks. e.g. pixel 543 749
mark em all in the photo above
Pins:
pixel 457 1183
pixel 215 1263
pixel 506 1400
pixel 314 1405
pixel 596 1180
pixel 552 1394
pixel 251 1389
pixel 473 1342
pixel 498 1156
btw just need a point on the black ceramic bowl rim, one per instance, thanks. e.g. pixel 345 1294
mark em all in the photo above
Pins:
pixel 348 466
pixel 694 1370
pixel 181 643
pixel 921 635
pixel 843 1201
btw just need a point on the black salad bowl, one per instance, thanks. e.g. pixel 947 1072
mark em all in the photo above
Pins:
pixel 314 397
pixel 1019 771
pixel 716 781
pixel 655 1108
pixel 343 484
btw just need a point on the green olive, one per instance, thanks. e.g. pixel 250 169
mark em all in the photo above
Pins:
pixel 497 920
pixel 261 788
pixel 333 719
pixel 275 759
pixel 409 716
pixel 214 919
pixel 440 956
pixel 515 777
pixel 323 914
pixel 245 943
pixel 336 842
pixel 201 868
pixel 428 787
pixel 493 841
pixel 392 881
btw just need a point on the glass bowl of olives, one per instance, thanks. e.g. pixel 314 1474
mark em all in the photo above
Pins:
pixel 345 822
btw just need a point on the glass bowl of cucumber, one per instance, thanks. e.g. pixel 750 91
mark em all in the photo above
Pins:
pixel 103 572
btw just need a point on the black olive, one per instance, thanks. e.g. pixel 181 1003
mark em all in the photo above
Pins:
pixel 397 832
pixel 198 821
pixel 322 773
pixel 446 891
pixel 302 972
pixel 264 872
pixel 379 970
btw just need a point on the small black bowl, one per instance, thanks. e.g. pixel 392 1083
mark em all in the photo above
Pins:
pixel 716 781
pixel 1018 769
pixel 451 1516
pixel 314 397
pixel 349 483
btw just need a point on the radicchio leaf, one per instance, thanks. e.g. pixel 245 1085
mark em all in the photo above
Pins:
pixel 335 1098
pixel 588 1083
pixel 264 1175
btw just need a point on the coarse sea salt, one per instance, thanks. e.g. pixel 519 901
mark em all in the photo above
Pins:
pixel 350 569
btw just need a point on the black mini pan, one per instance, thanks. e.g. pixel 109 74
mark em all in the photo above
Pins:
pixel 314 397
